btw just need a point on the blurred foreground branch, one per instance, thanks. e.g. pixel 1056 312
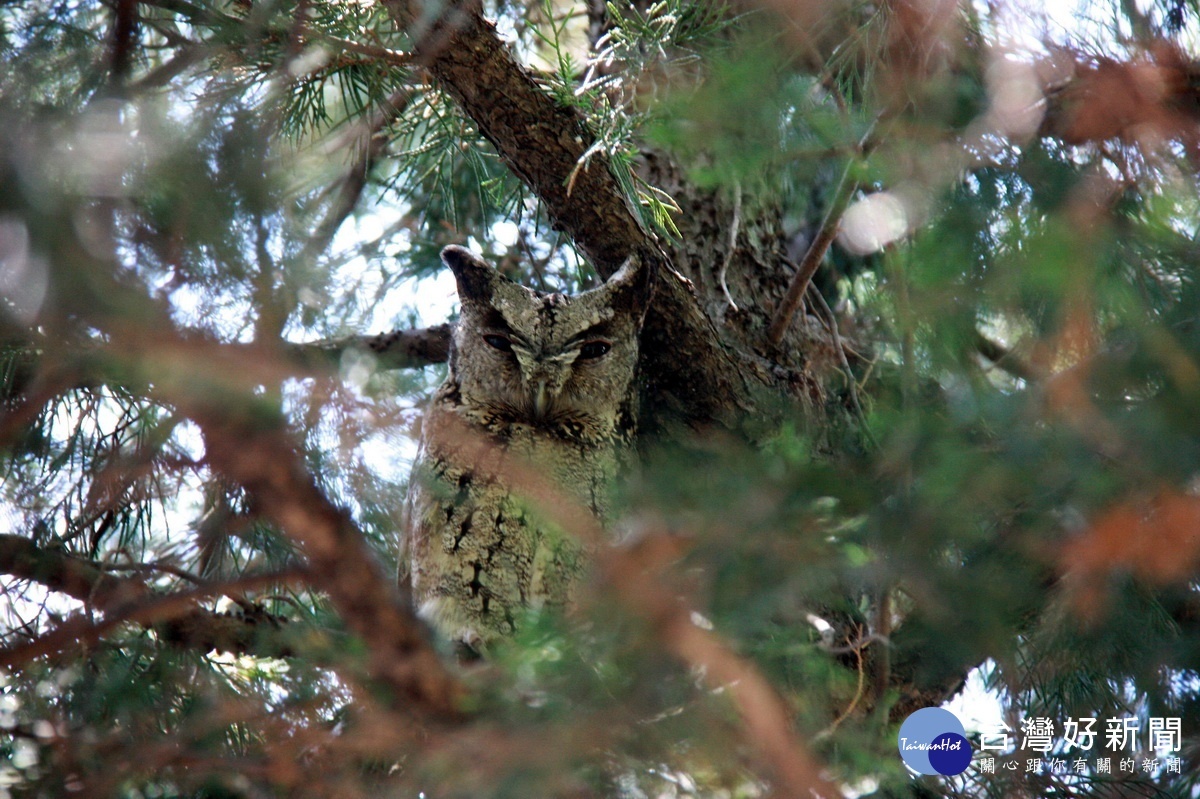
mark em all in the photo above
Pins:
pixel 174 617
pixel 639 576
pixel 34 377
pixel 215 385
pixel 262 459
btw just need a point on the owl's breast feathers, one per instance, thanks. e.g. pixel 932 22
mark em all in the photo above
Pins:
pixel 481 556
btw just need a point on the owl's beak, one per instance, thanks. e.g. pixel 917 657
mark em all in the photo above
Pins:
pixel 541 399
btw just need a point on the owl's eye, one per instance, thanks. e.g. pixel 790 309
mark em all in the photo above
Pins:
pixel 498 342
pixel 593 349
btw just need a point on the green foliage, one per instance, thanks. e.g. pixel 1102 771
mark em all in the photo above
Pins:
pixel 945 532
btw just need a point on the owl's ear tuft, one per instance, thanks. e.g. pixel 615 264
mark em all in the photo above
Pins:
pixel 475 277
pixel 631 285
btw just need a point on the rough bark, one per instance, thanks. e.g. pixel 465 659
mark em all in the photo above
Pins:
pixel 543 142
pixel 735 254
pixel 396 349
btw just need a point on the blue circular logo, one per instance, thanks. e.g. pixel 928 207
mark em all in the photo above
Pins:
pixel 933 741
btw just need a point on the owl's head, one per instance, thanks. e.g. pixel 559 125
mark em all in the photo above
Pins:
pixel 546 358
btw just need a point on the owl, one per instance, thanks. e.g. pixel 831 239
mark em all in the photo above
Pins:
pixel 550 380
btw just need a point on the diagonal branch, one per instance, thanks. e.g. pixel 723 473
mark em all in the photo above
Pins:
pixel 691 375
pixel 261 458
pixel 214 384
pixel 220 388
pixel 1006 359
pixel 803 276
pixel 543 142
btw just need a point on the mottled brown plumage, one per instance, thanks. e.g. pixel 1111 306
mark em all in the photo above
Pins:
pixel 551 381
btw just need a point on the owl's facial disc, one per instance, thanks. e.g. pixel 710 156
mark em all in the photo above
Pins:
pixel 545 358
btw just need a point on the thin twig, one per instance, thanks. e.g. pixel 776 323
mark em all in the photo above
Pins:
pixel 733 237
pixel 157 567
pixel 860 667
pixel 396 58
pixel 839 345
pixel 828 231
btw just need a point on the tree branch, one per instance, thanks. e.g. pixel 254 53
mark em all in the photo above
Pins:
pixel 187 57
pixel 393 57
pixel 219 386
pixel 128 599
pixel 1005 359
pixel 396 349
pixel 543 142
pixel 58 571
pixel 690 373
pixel 214 384
pixel 124 39
pixel 33 385
pixel 828 231
pixel 261 458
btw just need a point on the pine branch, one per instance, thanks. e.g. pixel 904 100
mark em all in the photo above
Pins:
pixel 690 373
pixel 394 57
pixel 397 349
pixel 187 57
pixel 123 40
pixel 541 141
pixel 123 600
pixel 58 571
pixel 261 458
pixel 258 454
pixel 33 383
pixel 215 385
pixel 1152 96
